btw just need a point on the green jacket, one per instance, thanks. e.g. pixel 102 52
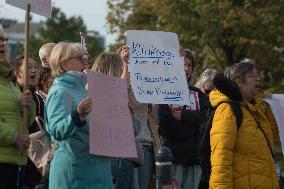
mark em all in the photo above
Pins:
pixel 10 118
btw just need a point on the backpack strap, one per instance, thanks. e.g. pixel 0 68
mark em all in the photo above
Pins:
pixel 39 120
pixel 236 107
pixel 266 138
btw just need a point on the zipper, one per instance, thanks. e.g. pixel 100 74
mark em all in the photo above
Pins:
pixel 17 103
pixel 18 176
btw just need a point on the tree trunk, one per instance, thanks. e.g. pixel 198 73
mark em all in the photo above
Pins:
pixel 229 52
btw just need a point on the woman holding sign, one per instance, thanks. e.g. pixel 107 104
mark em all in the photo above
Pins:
pixel 111 64
pixel 179 127
pixel 66 113
pixel 14 140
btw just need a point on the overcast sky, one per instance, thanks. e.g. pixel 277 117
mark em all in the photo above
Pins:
pixel 92 11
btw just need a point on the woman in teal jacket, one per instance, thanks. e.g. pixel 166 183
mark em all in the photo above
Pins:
pixel 66 110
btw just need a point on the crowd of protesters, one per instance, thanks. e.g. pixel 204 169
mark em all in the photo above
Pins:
pixel 57 100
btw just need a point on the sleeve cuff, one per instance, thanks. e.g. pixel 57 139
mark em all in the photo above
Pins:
pixel 76 118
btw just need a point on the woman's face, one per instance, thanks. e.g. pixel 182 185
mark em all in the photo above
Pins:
pixel 32 73
pixel 187 67
pixel 250 88
pixel 74 64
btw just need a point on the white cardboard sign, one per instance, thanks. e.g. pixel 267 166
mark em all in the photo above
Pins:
pixel 156 68
pixel 277 106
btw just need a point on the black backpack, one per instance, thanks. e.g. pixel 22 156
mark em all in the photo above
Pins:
pixel 205 149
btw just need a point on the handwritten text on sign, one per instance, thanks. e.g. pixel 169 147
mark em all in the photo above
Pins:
pixel 156 68
pixel 41 7
pixel 111 130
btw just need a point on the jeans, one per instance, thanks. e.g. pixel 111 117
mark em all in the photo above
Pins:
pixel 43 183
pixel 122 172
pixel 281 182
pixel 126 176
pixel 143 174
pixel 25 186
pixel 187 176
pixel 11 176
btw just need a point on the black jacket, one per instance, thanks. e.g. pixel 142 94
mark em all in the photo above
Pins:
pixel 182 137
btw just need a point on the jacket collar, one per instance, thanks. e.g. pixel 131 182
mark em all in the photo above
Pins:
pixel 226 90
pixel 72 78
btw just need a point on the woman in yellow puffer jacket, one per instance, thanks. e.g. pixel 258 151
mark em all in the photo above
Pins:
pixel 240 158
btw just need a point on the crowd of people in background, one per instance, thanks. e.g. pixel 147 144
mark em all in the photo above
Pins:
pixel 241 157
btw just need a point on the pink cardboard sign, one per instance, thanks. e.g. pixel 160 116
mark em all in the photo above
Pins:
pixel 111 130
pixel 41 7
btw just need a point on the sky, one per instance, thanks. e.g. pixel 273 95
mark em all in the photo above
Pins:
pixel 92 11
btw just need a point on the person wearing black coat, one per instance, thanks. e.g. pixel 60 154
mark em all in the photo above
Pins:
pixel 180 127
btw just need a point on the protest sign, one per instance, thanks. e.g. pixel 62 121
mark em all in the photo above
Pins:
pixel 156 68
pixel 111 130
pixel 277 106
pixel 41 7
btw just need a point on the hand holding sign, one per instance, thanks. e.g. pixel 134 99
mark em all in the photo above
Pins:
pixel 22 141
pixel 124 54
pixel 27 99
pixel 85 107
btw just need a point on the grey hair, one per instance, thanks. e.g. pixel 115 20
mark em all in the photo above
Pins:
pixel 238 71
pixel 45 50
pixel 207 75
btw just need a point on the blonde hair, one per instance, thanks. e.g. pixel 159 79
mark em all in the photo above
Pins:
pixel 109 64
pixel 61 52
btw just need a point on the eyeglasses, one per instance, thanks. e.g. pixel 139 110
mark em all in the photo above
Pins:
pixel 82 59
pixel 4 39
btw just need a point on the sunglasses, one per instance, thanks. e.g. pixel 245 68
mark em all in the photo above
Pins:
pixel 82 59
pixel 4 39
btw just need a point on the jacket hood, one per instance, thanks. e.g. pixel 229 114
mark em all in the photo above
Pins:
pixel 225 90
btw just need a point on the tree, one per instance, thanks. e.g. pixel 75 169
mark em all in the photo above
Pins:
pixel 60 28
pixel 221 32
